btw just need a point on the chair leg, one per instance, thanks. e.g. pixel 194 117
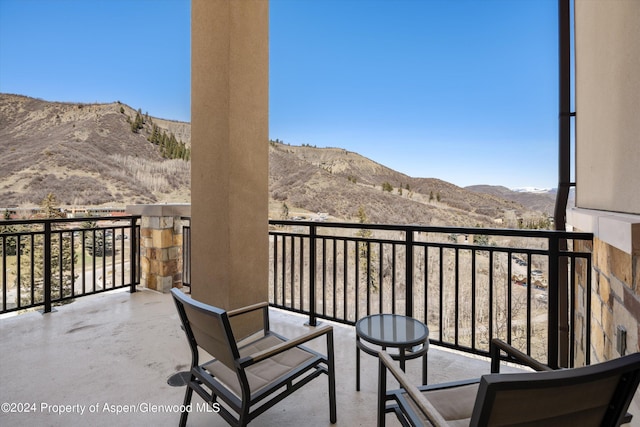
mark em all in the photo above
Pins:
pixel 243 416
pixel 187 400
pixel 357 364
pixel 332 379
pixel 382 392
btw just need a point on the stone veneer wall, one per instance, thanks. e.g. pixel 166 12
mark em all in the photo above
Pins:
pixel 616 300
pixel 160 253
pixel 160 245
pixel 615 283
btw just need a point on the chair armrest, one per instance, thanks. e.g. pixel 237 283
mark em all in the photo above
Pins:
pixel 498 345
pixel 284 346
pixel 247 309
pixel 263 324
pixel 418 398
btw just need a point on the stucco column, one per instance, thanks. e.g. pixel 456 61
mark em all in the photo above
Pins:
pixel 229 162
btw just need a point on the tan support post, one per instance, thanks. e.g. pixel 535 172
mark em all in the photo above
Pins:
pixel 229 142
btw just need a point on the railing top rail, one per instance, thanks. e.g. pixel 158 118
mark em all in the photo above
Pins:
pixel 441 229
pixel 58 220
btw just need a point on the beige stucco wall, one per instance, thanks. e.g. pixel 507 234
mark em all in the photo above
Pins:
pixel 608 165
pixel 608 172
pixel 229 162
pixel 608 105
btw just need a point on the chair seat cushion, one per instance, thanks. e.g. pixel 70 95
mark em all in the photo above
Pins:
pixel 455 404
pixel 262 373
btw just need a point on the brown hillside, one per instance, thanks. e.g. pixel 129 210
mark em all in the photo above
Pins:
pixel 86 154
pixel 338 182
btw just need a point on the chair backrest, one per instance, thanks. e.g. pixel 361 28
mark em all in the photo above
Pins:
pixel 596 395
pixel 207 327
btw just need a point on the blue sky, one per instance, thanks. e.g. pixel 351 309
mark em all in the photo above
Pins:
pixel 461 90
pixel 134 51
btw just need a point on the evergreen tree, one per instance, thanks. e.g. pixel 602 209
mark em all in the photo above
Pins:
pixel 170 147
pixel 138 123
pixel 173 144
pixel 103 244
pixel 367 259
pixel 49 208
pixel 10 242
pixel 62 258
pixel 363 219
pixel 155 135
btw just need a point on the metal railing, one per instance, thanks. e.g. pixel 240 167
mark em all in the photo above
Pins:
pixel 49 261
pixel 186 251
pixel 468 285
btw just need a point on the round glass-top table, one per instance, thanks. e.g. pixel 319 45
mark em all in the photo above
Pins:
pixel 408 335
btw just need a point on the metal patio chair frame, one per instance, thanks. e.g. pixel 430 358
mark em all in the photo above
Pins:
pixel 597 395
pixel 230 380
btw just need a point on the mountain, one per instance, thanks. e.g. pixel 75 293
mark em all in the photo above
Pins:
pixel 534 190
pixel 89 154
pixel 339 182
pixel 86 154
pixel 537 200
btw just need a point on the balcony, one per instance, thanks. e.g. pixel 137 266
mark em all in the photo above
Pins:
pixel 468 285
pixel 116 348
pixel 119 348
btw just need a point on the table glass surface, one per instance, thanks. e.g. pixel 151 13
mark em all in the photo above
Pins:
pixel 392 329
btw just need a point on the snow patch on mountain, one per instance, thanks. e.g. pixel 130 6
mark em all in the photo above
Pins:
pixel 534 190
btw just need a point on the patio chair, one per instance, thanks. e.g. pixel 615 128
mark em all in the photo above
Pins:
pixel 596 395
pixel 246 378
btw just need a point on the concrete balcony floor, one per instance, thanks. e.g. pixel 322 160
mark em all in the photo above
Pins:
pixel 120 349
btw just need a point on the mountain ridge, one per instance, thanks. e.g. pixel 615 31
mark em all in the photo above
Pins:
pixel 87 154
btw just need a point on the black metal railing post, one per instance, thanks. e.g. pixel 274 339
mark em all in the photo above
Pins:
pixel 409 272
pixel 4 269
pixel 47 267
pixel 553 295
pixel 313 321
pixel 587 333
pixel 186 255
pixel 133 252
